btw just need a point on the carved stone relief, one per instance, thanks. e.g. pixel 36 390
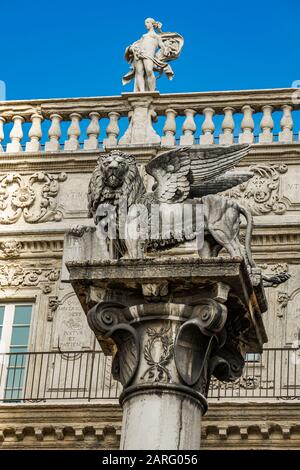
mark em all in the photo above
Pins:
pixel 274 268
pixel 47 289
pixel 30 247
pixel 282 301
pixel 53 304
pixel 282 296
pixel 285 301
pixel 10 249
pixel 293 324
pixel 32 197
pixel 17 275
pixel 248 382
pixel 158 352
pixel 71 332
pixel 262 193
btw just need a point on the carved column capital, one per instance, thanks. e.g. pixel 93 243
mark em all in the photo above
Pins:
pixel 170 327
pixel 167 343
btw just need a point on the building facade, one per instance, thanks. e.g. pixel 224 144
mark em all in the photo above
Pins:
pixel 56 388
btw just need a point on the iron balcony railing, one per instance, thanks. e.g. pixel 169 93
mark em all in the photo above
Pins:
pixel 86 376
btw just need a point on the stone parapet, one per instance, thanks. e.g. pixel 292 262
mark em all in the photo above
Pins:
pixel 46 117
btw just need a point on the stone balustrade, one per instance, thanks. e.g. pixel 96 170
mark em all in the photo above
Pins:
pixel 255 116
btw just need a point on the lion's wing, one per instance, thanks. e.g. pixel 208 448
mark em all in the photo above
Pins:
pixel 220 183
pixel 211 161
pixel 171 171
pixel 177 171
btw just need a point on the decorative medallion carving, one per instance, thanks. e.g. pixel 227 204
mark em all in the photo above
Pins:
pixel 32 197
pixel 262 192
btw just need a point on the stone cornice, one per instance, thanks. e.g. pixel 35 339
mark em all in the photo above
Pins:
pixel 221 99
pixel 273 153
pixel 53 426
pixel 36 242
pixel 35 247
pixel 179 101
pixel 259 425
pixel 83 161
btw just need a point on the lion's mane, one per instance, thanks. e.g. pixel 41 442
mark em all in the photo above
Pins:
pixel 132 188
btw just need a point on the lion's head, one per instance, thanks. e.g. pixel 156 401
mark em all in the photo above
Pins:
pixel 116 176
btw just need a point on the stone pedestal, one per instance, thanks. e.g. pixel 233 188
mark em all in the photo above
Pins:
pixel 140 129
pixel 170 325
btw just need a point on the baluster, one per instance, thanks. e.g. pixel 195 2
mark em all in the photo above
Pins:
pixel 2 122
pixel 54 133
pixel 73 132
pixel 226 138
pixel 286 124
pixel 93 132
pixel 126 137
pixel 188 128
pixel 16 135
pixel 112 130
pixel 247 136
pixel 207 127
pixel 266 125
pixel 169 128
pixel 35 133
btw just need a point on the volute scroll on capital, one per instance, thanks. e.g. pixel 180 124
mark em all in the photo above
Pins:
pixel 193 334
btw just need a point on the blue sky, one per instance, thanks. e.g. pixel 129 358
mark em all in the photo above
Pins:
pixel 72 49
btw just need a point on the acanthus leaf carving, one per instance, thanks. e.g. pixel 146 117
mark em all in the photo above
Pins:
pixel 262 192
pixel 52 275
pixel 33 197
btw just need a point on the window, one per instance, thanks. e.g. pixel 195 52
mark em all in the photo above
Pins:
pixel 253 357
pixel 15 323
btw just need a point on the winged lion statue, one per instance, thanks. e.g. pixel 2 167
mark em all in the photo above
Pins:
pixel 182 176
